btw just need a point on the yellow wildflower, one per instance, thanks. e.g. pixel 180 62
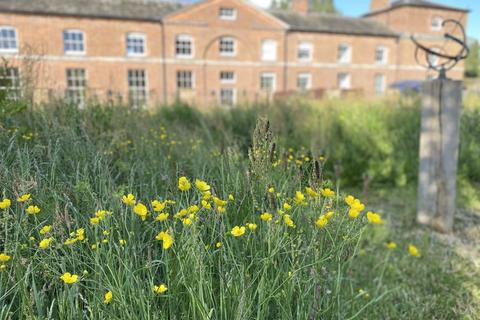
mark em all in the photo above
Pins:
pixel 129 200
pixel 94 220
pixel 266 216
pixel 94 246
pixel 181 213
pixel 312 193
pixel 349 200
pixel 69 278
pixel 33 210
pixel 158 206
pixel 122 242
pixel 353 213
pixel 202 185
pixel 288 221
pixel 167 239
pixel 206 205
pixel 108 297
pixel 374 218
pixel 322 221
pixel 299 198
pixel 140 210
pixel 24 197
pixel 5 203
pixel 231 197
pixel 391 245
pixel 207 195
pixel 221 209
pixel 4 257
pixel 327 192
pixel 219 202
pixel 45 229
pixel 271 190
pixel 160 289
pixel 238 231
pixel 45 243
pixel 329 214
pixel 218 245
pixel 193 209
pixel 70 241
pixel 184 184
pixel 187 221
pixel 251 226
pixel 162 217
pixel 287 206
pixel 80 233
pixel 413 251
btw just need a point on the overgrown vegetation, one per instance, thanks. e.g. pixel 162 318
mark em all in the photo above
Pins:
pixel 318 259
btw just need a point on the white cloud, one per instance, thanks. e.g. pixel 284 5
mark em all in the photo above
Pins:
pixel 261 3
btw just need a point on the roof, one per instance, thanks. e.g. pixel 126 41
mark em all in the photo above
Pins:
pixel 329 23
pixel 113 9
pixel 416 3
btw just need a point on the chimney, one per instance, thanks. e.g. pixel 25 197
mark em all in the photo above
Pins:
pixel 299 6
pixel 379 4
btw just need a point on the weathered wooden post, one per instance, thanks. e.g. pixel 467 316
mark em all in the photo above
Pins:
pixel 439 138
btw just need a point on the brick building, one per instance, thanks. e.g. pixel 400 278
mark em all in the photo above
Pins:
pixel 212 52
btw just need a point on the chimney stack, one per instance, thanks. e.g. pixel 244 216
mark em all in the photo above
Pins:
pixel 379 4
pixel 300 6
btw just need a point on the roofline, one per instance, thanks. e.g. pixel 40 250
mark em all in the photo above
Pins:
pixel 78 15
pixel 363 34
pixel 390 8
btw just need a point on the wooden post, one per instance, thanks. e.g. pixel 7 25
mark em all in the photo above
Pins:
pixel 439 139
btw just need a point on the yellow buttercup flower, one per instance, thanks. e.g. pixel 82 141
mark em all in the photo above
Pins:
pixel 24 197
pixel 299 198
pixel 193 209
pixel 374 218
pixel 206 195
pixel 391 245
pixel 288 221
pixel 5 203
pixel 80 233
pixel 219 202
pixel 251 226
pixel 70 241
pixel 45 243
pixel 218 245
pixel 158 206
pixel 167 239
pixel 4 257
pixel 271 190
pixel 122 242
pixel 329 214
pixel 160 289
pixel 413 251
pixel 184 184
pixel 33 210
pixel 231 197
pixel 221 209
pixel 327 192
pixel 108 297
pixel 238 231
pixel 202 185
pixel 45 229
pixel 162 217
pixel 322 221
pixel 182 213
pixel 140 210
pixel 312 193
pixel 187 221
pixel 94 220
pixel 266 216
pixel 353 214
pixel 287 206
pixel 206 205
pixel 69 278
pixel 129 200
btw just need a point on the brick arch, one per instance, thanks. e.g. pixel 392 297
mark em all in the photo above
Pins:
pixel 249 53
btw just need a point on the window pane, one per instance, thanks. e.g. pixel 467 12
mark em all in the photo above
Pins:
pixel 8 39
pixel 76 86
pixel 137 89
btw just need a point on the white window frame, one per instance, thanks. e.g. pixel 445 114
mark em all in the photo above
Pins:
pixel 380 91
pixel 348 55
pixel 348 85
pixel 272 75
pixel 84 42
pixel 307 76
pixel 13 82
pixel 134 100
pixel 136 35
pixel 227 53
pixel 308 46
pixel 227 17
pixel 185 37
pixel 228 81
pixel 234 96
pixel 10 50
pixel 177 80
pixel 384 55
pixel 76 93
pixel 436 23
pixel 264 53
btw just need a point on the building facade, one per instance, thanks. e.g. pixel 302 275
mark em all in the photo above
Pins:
pixel 213 52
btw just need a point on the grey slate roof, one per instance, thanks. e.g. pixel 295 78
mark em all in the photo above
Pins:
pixel 328 23
pixel 151 11
pixel 416 3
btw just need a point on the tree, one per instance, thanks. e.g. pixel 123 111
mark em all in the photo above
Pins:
pixel 326 6
pixel 472 63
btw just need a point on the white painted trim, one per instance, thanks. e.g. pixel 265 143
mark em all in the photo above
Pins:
pixel 439 27
pixel 305 45
pixel 137 35
pixel 228 81
pixel 385 55
pixel 227 54
pixel 274 82
pixel 75 53
pixel 227 18
pixel 184 56
pixel 348 58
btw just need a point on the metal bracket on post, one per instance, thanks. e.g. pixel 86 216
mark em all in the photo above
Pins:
pixel 439 135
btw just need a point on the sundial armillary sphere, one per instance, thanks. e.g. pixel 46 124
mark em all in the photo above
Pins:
pixel 445 60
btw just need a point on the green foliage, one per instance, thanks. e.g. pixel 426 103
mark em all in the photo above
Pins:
pixel 472 64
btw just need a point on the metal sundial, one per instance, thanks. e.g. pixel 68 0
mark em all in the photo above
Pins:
pixel 445 60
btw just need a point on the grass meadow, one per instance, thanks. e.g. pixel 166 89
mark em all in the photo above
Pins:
pixel 293 210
